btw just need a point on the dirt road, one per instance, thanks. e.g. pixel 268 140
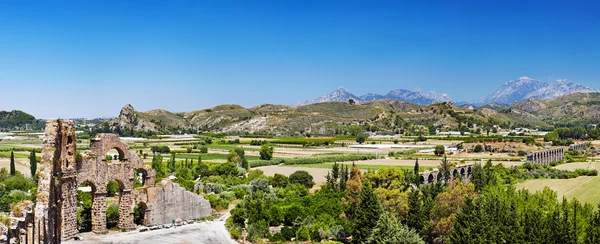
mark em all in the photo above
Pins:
pixel 210 232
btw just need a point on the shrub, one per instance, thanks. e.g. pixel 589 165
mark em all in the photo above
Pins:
pixel 478 148
pixel 302 234
pixel 302 177
pixel 521 153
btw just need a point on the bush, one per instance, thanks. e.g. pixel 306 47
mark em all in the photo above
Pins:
pixel 288 233
pixel 257 231
pixel 266 152
pixel 302 177
pixel 478 148
pixel 521 153
pixel 439 150
pixel 302 234
pixel 203 149
pixel 279 180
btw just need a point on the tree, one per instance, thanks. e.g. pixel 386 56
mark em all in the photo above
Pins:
pixel 478 177
pixel 266 152
pixel 367 214
pixel 33 164
pixel 171 164
pixel 417 177
pixel 238 157
pixel 360 139
pixel 157 166
pixel 478 148
pixel 415 211
pixel 351 101
pixel 439 150
pixel 445 169
pixel 279 180
pixel 12 163
pixel 302 177
pixel 390 230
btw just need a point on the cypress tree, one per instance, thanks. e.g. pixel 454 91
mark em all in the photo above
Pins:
pixel 415 211
pixel 417 179
pixel 368 212
pixel 12 163
pixel 32 164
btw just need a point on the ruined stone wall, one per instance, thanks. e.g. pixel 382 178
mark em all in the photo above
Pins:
pixel 546 157
pixel 464 172
pixel 168 201
pixel 54 218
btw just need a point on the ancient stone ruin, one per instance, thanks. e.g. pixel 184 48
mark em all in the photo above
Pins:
pixel 464 172
pixel 546 157
pixel 580 147
pixel 54 217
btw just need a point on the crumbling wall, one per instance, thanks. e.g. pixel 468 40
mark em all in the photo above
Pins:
pixel 168 201
pixel 54 218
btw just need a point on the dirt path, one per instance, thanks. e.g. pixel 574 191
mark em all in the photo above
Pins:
pixel 210 232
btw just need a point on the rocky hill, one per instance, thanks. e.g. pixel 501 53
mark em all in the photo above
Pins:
pixel 572 109
pixel 327 118
pixel 18 120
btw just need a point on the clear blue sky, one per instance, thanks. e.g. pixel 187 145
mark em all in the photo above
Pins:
pixel 89 58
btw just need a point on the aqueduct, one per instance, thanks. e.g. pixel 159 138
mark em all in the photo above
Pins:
pixel 580 147
pixel 546 157
pixel 465 172
pixel 54 217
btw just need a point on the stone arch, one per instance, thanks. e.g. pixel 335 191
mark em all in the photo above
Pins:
pixel 422 179
pixel 145 211
pixel 462 172
pixel 430 178
pixel 455 173
pixel 148 176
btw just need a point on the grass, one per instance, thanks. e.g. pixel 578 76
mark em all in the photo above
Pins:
pixel 206 156
pixel 17 155
pixel 583 188
pixel 360 166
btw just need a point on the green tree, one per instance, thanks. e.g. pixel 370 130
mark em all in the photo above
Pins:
pixel 439 150
pixel 266 152
pixel 416 176
pixel 238 156
pixel 367 214
pixel 478 148
pixel 360 139
pixel 33 164
pixel 415 216
pixel 12 163
pixel 302 177
pixel 157 166
pixel 445 169
pixel 478 177
pixel 390 230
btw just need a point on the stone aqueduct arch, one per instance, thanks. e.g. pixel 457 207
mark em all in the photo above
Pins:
pixel 464 172
pixel 54 217
pixel 580 147
pixel 546 157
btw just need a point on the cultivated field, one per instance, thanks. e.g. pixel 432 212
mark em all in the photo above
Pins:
pixel 583 188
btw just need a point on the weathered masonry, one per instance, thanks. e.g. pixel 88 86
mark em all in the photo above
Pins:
pixel 546 157
pixel 464 172
pixel 54 217
pixel 580 147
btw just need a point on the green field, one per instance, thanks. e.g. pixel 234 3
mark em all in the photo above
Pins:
pixel 583 188
pixel 360 166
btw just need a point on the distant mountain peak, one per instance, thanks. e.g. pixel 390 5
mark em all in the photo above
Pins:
pixel 525 87
pixel 418 96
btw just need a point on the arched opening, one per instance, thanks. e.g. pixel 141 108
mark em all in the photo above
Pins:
pixel 140 177
pixel 469 172
pixel 139 213
pixel 422 179
pixel 430 178
pixel 462 172
pixel 113 201
pixel 440 177
pixel 85 199
pixel 114 155
pixel 455 173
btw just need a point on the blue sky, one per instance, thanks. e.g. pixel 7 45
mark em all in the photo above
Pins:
pixel 89 58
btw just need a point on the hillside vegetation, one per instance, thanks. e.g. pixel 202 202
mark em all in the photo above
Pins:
pixel 340 118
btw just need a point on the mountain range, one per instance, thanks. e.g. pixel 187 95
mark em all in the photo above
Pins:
pixel 510 92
